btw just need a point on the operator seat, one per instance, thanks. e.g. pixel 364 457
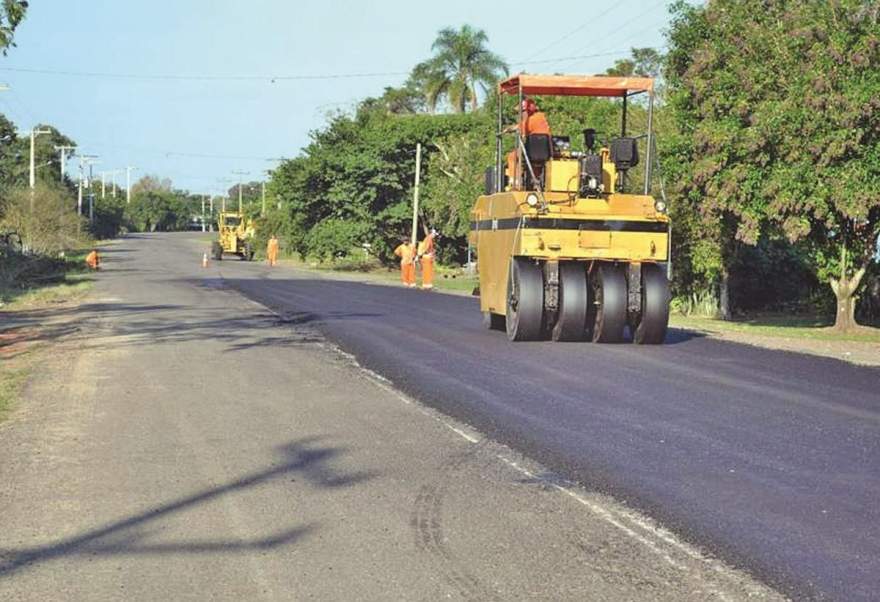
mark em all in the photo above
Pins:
pixel 539 150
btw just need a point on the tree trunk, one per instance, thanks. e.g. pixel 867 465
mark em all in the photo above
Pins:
pixel 845 291
pixel 845 318
pixel 724 296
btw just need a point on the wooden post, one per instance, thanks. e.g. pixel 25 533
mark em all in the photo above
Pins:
pixel 415 222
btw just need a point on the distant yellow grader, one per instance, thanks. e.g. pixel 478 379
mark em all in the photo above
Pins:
pixel 236 236
pixel 565 249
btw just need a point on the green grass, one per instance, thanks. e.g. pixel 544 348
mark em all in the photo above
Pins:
pixel 456 280
pixel 773 325
pixel 29 280
pixel 445 279
pixel 73 287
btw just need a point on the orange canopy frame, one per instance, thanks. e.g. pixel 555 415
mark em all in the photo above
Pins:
pixel 575 85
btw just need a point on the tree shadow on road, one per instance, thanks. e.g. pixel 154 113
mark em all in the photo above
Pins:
pixel 131 535
pixel 112 324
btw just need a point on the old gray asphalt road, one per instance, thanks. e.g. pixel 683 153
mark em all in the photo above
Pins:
pixel 185 443
pixel 769 459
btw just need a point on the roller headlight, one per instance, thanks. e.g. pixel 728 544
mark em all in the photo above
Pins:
pixel 660 206
pixel 532 199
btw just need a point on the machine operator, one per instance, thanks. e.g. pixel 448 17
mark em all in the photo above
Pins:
pixel 532 121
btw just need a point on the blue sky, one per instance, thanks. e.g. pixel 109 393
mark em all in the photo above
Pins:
pixel 160 125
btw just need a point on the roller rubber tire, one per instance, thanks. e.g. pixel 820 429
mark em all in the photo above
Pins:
pixel 525 300
pixel 652 326
pixel 610 309
pixel 493 321
pixel 216 251
pixel 571 322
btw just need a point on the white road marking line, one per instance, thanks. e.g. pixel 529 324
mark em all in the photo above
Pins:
pixel 462 433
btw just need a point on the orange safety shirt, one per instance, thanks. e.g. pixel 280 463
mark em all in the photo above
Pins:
pixel 406 252
pixel 92 259
pixel 272 247
pixel 426 246
pixel 536 123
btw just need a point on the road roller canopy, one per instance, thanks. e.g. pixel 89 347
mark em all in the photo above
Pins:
pixel 575 85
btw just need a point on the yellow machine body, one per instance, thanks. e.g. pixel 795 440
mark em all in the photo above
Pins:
pixel 566 247
pixel 619 227
pixel 235 235
pixel 562 174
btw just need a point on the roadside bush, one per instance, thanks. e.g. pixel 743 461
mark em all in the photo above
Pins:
pixel 109 218
pixel 334 238
pixel 45 218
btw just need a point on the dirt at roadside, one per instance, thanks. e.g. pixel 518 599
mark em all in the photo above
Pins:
pixel 856 352
pixel 26 335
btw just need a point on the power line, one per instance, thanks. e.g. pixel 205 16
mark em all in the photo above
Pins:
pixel 205 156
pixel 558 41
pixel 172 153
pixel 176 77
pixel 612 32
pixel 265 78
pixel 572 58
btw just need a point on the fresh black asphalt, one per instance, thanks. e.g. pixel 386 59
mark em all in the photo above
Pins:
pixel 768 459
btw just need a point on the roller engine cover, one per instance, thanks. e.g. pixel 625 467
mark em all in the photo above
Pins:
pixel 590 176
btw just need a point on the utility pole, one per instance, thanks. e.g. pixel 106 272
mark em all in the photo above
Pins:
pixel 63 151
pixel 263 194
pixel 83 161
pixel 415 222
pixel 33 171
pixel 239 174
pixel 79 190
pixel 203 212
pixel 128 183
pixel 211 225
pixel 112 181
pixel 103 184
pixel 92 194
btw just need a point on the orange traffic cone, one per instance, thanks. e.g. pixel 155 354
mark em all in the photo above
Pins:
pixel 205 260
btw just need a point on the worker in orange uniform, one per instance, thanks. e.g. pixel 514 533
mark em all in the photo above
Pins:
pixel 426 258
pixel 407 253
pixel 92 260
pixel 272 251
pixel 532 121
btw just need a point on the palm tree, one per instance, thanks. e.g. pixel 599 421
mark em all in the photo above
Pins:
pixel 461 61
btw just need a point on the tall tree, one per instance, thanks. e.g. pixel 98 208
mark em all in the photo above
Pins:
pixel 11 15
pixel 461 63
pixel 15 153
pixel 779 101
pixel 644 62
pixel 151 183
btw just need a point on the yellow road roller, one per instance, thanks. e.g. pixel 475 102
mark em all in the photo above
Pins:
pixel 568 246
